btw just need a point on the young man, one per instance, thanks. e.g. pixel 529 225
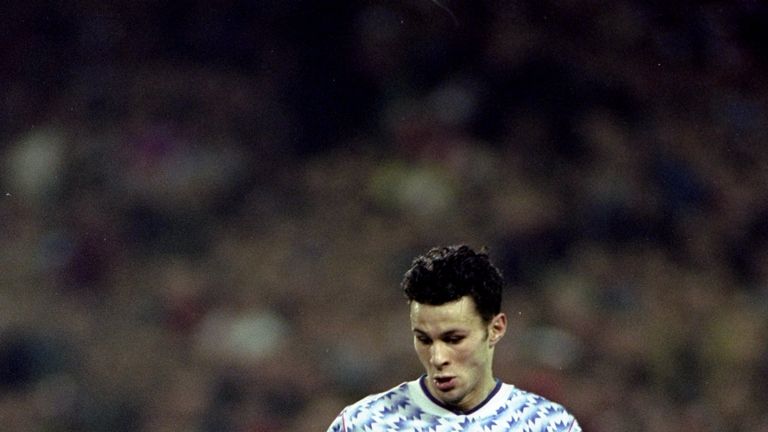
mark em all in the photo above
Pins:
pixel 456 319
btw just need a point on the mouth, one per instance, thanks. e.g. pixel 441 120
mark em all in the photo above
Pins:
pixel 445 383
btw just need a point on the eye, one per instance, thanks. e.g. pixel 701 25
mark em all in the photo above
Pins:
pixel 423 340
pixel 453 340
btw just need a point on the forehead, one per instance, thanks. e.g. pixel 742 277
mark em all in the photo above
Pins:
pixel 461 313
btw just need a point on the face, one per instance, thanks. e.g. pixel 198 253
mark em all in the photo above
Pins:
pixel 455 346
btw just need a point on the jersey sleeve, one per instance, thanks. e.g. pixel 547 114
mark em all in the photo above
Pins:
pixel 563 422
pixel 338 424
pixel 575 426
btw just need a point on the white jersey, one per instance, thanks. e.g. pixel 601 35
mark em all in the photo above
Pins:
pixel 410 407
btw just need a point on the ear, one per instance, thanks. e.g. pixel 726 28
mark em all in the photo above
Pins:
pixel 497 328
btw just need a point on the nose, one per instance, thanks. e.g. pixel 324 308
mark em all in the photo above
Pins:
pixel 438 355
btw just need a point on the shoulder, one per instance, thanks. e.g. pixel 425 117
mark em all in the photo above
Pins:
pixel 519 406
pixel 381 404
pixel 395 396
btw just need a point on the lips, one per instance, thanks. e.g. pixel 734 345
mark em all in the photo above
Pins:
pixel 445 383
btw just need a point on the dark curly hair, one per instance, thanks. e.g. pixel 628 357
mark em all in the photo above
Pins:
pixel 448 273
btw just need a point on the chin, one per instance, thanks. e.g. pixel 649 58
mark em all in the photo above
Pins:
pixel 452 398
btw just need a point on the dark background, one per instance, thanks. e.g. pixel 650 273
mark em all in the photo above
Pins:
pixel 206 207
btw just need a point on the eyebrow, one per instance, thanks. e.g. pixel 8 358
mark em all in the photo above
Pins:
pixel 451 332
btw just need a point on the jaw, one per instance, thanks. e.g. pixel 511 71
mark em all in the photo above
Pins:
pixel 456 394
pixel 450 393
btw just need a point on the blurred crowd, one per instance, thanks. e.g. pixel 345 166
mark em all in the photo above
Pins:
pixel 206 208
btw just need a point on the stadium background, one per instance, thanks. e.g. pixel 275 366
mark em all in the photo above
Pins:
pixel 206 207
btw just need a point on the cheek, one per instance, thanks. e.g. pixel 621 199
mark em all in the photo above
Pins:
pixel 421 351
pixel 470 355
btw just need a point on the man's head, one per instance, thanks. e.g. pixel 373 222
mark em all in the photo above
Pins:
pixel 455 302
pixel 446 274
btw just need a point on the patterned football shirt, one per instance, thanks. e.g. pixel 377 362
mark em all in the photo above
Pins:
pixel 410 407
